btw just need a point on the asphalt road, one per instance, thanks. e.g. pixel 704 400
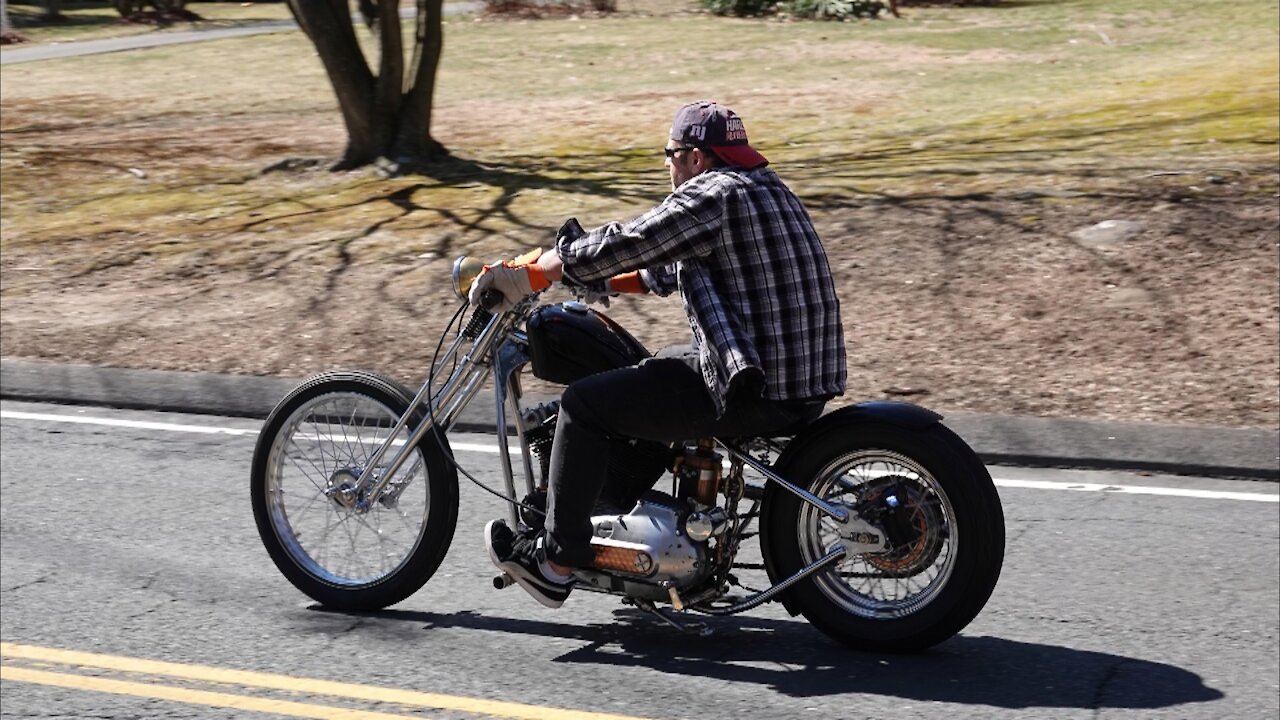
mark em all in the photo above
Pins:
pixel 135 543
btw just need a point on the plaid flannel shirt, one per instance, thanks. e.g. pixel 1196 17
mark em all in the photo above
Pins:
pixel 752 275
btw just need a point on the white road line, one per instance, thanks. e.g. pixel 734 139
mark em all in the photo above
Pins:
pixel 177 427
pixel 1138 490
pixel 493 449
pixel 113 422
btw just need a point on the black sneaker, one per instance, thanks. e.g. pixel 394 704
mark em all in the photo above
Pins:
pixel 518 556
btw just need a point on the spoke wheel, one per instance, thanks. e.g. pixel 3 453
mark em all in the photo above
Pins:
pixel 324 532
pixel 331 532
pixel 898 582
pixel 922 492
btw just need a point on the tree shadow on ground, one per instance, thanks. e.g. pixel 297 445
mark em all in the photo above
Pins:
pixel 792 658
pixel 595 175
pixel 612 175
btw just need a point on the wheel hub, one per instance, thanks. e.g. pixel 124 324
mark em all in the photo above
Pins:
pixel 341 488
pixel 857 536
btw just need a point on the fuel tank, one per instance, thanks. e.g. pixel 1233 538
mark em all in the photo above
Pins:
pixel 570 341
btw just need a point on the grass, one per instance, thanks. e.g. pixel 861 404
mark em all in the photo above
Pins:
pixel 566 116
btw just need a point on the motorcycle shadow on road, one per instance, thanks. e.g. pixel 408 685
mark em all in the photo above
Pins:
pixel 794 659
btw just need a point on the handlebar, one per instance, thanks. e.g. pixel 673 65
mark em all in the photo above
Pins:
pixel 490 298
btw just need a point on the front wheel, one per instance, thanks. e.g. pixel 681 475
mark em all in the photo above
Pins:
pixel 933 501
pixel 322 533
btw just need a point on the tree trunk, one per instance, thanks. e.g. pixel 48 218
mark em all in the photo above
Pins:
pixel 388 115
pixel 328 24
pixel 390 91
pixel 53 11
pixel 414 138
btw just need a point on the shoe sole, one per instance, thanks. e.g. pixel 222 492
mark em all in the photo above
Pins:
pixel 516 571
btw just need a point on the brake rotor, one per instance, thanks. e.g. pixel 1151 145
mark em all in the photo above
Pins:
pixel 925 519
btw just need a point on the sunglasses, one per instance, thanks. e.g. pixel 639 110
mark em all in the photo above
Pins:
pixel 671 152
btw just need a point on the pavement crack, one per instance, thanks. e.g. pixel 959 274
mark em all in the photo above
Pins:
pixel 167 597
pixel 42 579
pixel 152 609
pixel 1012 536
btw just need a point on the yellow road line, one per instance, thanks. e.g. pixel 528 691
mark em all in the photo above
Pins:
pixel 204 673
pixel 192 697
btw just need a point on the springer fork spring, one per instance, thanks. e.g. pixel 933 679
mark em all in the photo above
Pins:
pixel 479 319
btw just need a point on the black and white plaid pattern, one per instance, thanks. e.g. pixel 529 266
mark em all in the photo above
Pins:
pixel 752 274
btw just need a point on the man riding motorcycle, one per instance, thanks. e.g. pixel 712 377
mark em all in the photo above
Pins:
pixel 767 341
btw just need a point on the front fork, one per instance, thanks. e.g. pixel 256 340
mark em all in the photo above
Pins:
pixel 509 359
pixel 461 387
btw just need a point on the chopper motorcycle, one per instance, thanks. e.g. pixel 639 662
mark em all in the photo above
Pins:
pixel 875 522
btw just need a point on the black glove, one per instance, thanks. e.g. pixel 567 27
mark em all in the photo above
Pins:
pixel 589 292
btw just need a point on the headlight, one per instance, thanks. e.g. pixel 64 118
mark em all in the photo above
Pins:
pixel 465 272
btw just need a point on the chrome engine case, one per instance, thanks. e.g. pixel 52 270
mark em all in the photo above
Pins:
pixel 654 528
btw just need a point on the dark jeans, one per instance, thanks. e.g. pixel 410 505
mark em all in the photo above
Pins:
pixel 662 399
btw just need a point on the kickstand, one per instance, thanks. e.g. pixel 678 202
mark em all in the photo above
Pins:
pixel 700 629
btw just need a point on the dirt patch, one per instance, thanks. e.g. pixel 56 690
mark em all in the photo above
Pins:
pixel 985 304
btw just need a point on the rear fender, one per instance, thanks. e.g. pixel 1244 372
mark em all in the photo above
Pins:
pixel 843 421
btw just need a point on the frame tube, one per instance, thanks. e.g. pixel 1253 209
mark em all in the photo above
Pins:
pixel 836 513
pixel 765 596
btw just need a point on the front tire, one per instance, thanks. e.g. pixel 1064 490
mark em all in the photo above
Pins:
pixel 343 553
pixel 947 523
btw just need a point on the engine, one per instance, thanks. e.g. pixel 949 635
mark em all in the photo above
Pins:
pixel 644 540
pixel 641 552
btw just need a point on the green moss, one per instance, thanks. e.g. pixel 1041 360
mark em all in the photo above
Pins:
pixel 572 115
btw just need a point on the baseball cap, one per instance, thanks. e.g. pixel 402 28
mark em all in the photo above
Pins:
pixel 708 124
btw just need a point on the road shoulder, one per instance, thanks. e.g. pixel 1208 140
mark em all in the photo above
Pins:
pixel 998 439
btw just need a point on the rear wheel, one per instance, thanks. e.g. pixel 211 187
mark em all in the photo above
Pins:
pixel 320 530
pixel 929 496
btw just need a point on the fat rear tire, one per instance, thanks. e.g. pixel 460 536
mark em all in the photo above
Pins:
pixel 970 555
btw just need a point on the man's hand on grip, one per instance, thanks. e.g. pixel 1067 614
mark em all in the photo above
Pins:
pixel 515 279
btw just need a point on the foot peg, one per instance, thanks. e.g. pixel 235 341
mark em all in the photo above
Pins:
pixel 503 580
